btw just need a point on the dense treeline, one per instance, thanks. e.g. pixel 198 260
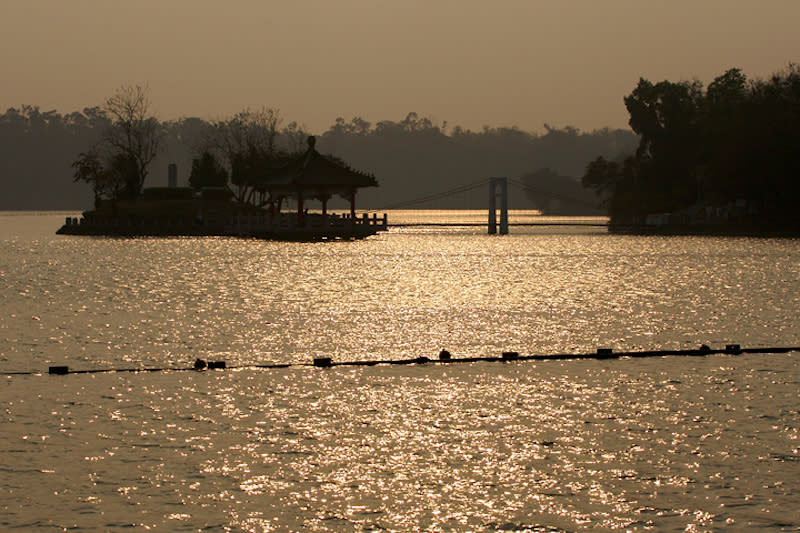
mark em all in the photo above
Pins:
pixel 729 149
pixel 559 195
pixel 416 157
pixel 411 158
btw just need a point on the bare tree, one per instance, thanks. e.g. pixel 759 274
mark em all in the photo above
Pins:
pixel 134 135
pixel 247 142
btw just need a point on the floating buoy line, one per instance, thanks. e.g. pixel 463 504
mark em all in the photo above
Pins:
pixel 445 357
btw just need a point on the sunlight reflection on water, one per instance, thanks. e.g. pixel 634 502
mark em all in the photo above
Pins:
pixel 403 294
pixel 666 443
pixel 553 445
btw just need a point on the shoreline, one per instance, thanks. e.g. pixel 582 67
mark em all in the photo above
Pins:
pixel 703 230
pixel 284 227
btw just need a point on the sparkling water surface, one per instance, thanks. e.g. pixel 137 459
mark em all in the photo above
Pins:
pixel 633 444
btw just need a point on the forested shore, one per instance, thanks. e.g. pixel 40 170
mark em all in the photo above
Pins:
pixel 721 159
pixel 411 158
pixel 717 159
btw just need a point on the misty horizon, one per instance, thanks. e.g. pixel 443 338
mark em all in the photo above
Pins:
pixel 514 64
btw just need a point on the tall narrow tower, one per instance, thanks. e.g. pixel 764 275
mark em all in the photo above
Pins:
pixel 498 187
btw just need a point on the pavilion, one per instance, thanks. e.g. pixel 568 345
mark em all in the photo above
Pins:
pixel 311 176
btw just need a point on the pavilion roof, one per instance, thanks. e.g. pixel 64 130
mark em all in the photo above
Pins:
pixel 313 169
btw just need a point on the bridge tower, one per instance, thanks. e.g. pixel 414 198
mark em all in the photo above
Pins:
pixel 502 185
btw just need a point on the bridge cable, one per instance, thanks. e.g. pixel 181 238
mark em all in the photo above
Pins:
pixel 548 194
pixel 436 196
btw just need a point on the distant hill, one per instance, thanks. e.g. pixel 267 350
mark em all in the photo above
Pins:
pixel 554 194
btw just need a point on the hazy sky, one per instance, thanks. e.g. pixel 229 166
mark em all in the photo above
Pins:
pixel 472 63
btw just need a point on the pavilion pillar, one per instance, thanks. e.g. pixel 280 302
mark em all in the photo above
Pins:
pixel 299 208
pixel 492 207
pixel 324 210
pixel 353 205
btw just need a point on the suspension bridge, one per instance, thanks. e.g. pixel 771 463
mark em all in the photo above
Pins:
pixel 497 194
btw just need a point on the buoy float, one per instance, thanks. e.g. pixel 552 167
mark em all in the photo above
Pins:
pixel 446 358
pixel 322 361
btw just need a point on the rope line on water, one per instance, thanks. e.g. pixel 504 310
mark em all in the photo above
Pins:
pixel 444 358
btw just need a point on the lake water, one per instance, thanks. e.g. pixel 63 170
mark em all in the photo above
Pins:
pixel 684 444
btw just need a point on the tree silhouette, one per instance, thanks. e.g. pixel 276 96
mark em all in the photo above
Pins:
pixel 120 160
pixel 734 144
pixel 246 142
pixel 412 160
pixel 133 136
pixel 207 172
pixel 89 169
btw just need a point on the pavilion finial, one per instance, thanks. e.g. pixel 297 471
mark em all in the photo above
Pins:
pixel 311 142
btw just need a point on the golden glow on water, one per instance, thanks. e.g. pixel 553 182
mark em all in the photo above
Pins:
pixel 546 446
pixel 407 293
pixel 657 444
